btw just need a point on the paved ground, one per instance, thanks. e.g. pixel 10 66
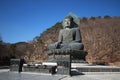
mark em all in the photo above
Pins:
pixel 5 74
pixel 103 76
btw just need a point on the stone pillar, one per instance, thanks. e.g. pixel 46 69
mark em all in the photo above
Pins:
pixel 16 65
pixel 64 64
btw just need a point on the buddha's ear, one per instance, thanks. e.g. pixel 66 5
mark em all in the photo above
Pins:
pixel 63 24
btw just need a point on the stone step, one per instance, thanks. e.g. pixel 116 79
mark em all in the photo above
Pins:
pixel 77 72
pixel 98 69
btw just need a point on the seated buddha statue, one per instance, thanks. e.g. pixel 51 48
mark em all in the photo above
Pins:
pixel 69 36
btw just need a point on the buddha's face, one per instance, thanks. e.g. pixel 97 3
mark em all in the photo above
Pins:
pixel 67 23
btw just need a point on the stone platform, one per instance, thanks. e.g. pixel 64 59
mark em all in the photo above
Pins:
pixel 53 68
pixel 85 67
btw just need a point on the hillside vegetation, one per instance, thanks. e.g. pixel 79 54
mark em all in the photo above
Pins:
pixel 100 36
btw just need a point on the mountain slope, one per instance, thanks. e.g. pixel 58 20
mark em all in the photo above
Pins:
pixel 100 36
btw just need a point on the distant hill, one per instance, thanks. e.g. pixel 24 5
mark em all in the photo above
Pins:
pixel 101 38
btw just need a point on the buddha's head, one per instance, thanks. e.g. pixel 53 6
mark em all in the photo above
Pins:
pixel 68 22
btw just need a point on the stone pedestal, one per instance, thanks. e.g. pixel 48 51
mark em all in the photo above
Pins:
pixel 77 56
pixel 64 57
